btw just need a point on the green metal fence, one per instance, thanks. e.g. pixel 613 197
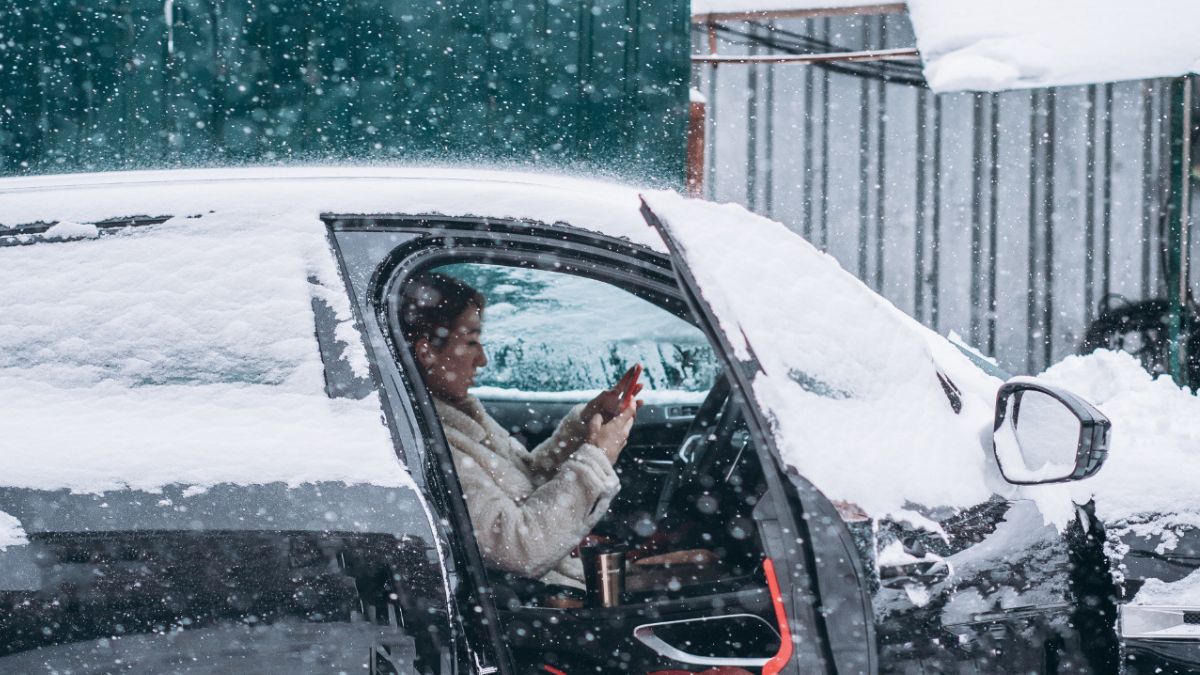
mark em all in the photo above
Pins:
pixel 104 84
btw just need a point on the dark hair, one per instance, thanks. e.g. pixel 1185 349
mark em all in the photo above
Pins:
pixel 430 303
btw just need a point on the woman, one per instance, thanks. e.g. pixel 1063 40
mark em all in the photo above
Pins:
pixel 529 508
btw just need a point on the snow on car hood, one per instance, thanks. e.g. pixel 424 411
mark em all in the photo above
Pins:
pixel 849 382
pixel 180 353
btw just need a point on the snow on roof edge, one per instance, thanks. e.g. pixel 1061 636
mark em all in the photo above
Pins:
pixel 977 45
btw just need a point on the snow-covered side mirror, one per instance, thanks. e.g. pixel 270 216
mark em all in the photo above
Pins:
pixel 1045 434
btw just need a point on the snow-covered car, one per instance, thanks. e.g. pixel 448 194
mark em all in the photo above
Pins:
pixel 218 453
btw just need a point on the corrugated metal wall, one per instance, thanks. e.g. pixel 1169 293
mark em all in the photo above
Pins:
pixel 1007 218
pixel 101 84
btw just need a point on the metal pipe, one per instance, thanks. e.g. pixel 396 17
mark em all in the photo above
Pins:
pixel 711 118
pixel 898 54
pixel 864 165
pixel 976 282
pixel 919 223
pixel 1048 212
pixel 880 164
pixel 993 221
pixel 807 180
pixel 769 142
pixel 824 231
pixel 752 130
pixel 1089 207
pixel 1177 244
pixel 936 224
pixel 1106 222
pixel 1031 316
pixel 1148 90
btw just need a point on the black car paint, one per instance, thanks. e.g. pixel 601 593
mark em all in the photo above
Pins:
pixel 114 575
pixel 1166 557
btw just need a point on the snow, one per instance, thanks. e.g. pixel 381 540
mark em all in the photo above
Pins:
pixel 11 532
pixel 765 6
pixel 1154 454
pixel 181 353
pixel 844 374
pixel 68 230
pixel 1017 44
pixel 605 207
pixel 185 353
pixel 1184 592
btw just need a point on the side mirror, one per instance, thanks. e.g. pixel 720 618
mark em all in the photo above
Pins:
pixel 1045 434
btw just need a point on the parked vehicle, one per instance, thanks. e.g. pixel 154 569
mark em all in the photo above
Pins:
pixel 219 455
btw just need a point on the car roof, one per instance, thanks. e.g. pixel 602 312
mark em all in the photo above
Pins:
pixel 582 202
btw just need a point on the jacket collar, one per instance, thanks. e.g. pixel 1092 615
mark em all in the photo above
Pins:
pixel 467 417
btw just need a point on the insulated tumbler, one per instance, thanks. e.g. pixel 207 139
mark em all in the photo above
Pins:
pixel 604 574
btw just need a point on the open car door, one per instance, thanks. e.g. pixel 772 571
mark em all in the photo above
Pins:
pixel 820 579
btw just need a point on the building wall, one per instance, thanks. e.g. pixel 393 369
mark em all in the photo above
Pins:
pixel 904 188
pixel 104 84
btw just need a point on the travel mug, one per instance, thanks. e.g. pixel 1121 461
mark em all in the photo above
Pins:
pixel 604 574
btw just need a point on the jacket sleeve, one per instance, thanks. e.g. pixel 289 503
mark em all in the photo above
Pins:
pixel 529 537
pixel 544 460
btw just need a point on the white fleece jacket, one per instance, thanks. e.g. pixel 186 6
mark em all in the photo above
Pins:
pixel 529 508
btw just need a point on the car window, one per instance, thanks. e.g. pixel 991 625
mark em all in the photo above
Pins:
pixel 676 501
pixel 559 333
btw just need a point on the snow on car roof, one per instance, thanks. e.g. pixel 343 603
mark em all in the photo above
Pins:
pixel 185 352
pixel 596 205
pixel 1019 44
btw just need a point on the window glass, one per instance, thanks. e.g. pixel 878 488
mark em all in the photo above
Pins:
pixel 554 332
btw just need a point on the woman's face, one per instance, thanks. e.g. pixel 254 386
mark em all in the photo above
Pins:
pixel 450 369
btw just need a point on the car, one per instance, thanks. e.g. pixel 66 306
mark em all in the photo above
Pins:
pixel 220 456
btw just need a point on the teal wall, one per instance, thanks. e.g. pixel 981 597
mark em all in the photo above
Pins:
pixel 105 84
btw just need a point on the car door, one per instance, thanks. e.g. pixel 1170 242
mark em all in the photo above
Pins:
pixel 848 393
pixel 780 593
pixel 823 588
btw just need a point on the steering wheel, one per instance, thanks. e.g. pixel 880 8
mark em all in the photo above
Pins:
pixel 710 428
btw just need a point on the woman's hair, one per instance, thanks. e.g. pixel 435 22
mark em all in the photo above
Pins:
pixel 431 302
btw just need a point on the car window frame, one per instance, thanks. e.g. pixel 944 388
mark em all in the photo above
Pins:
pixel 645 273
pixel 408 406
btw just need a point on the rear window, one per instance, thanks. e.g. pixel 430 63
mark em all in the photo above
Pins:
pixel 158 305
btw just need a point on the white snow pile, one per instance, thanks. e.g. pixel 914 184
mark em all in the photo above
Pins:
pixel 849 381
pixel 179 353
pixel 68 230
pixel 1153 464
pixel 1182 593
pixel 11 532
pixel 983 45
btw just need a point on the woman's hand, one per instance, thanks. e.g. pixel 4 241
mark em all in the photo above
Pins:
pixel 608 404
pixel 610 436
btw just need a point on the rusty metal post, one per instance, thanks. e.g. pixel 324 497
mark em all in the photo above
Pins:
pixel 695 148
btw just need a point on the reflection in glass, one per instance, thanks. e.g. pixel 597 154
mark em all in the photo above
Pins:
pixel 1038 440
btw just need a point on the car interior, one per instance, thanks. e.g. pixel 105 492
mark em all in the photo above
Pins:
pixel 695 593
